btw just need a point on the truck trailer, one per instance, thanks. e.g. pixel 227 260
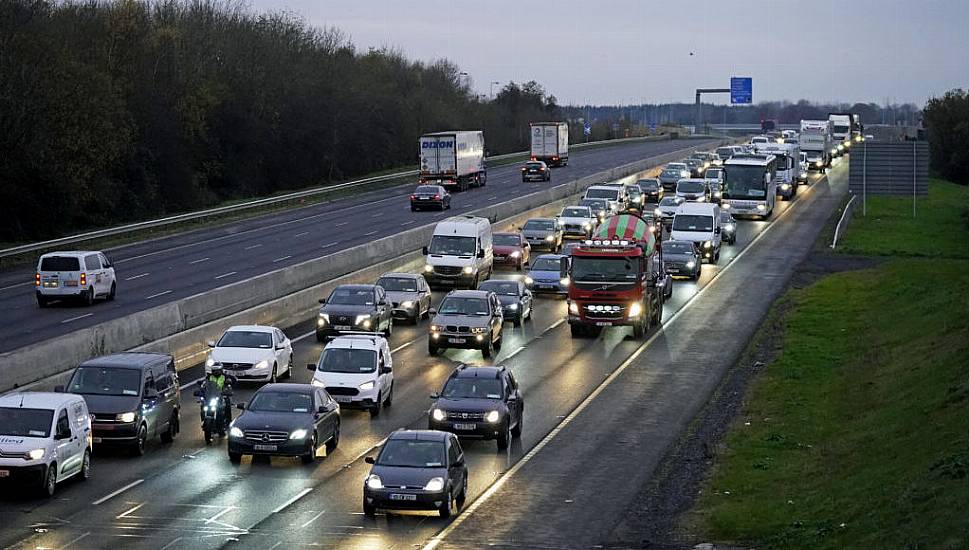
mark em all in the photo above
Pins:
pixel 454 159
pixel 550 143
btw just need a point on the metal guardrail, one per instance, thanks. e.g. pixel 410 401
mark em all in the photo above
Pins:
pixel 199 214
pixel 845 217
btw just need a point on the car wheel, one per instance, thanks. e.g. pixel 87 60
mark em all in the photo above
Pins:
pixel 446 506
pixel 504 438
pixel 331 445
pixel 487 349
pixel 50 481
pixel 500 340
pixel 272 377
pixel 310 456
pixel 41 302
pixel 111 294
pixel 289 367
pixel 369 510
pixel 518 267
pixel 141 442
pixel 578 331
pixel 431 349
pixel 463 496
pixel 172 430
pixel 88 297
pixel 517 322
pixel 390 396
pixel 517 430
pixel 85 473
pixel 390 328
pixel 375 409
pixel 320 338
pixel 427 313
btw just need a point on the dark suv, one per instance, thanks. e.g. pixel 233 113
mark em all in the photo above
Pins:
pixel 131 397
pixel 355 308
pixel 479 402
pixel 467 319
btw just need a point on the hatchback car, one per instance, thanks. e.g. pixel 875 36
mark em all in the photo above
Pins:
pixel 467 319
pixel 682 259
pixel 543 233
pixel 536 170
pixel 695 166
pixel 516 300
pixel 672 173
pixel 543 276
pixel 511 249
pixel 285 420
pixel 75 275
pixel 252 353
pixel 651 188
pixel 636 197
pixel 409 295
pixel 357 370
pixel 354 308
pixel 600 207
pixel 481 403
pixel 430 196
pixel 417 470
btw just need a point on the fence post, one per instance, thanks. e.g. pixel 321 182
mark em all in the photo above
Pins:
pixel 864 180
pixel 915 164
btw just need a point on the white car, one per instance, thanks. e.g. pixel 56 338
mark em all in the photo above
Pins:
pixel 357 370
pixel 252 353
pixel 74 275
pixel 577 221
pixel 45 438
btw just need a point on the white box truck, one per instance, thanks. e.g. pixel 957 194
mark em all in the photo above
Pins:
pixel 816 142
pixel 550 142
pixel 453 159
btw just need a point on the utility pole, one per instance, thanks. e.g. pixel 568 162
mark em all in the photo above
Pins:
pixel 492 94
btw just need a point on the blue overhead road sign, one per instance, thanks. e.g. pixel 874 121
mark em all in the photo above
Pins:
pixel 587 129
pixel 741 89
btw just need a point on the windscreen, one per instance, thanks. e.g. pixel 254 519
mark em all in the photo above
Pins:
pixel 669 201
pixel 450 245
pixel 17 421
pixel 506 240
pixel 456 305
pixel 634 191
pixel 105 381
pixel 60 263
pixel 676 166
pixel 744 182
pixel 472 388
pixel 281 402
pixel 690 222
pixel 539 225
pixel 575 213
pixel 533 165
pixel 342 360
pixel 677 247
pixel 689 187
pixel 648 185
pixel 839 129
pixel 245 339
pixel 412 453
pixel 725 152
pixel 351 297
pixel 594 204
pixel 502 288
pixel 603 193
pixel 609 270
pixel 545 264
pixel 398 284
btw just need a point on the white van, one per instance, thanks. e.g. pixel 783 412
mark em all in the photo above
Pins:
pixel 45 438
pixel 460 253
pixel 615 195
pixel 357 370
pixel 81 274
pixel 699 222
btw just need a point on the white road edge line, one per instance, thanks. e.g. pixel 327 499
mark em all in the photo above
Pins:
pixel 289 502
pixel 302 234
pixel 170 544
pixel 281 259
pixel 76 318
pixel 130 511
pixel 369 234
pixel 311 520
pixel 157 295
pixel 76 539
pixel 490 491
pixel 109 496
pixel 226 274
pixel 329 245
pixel 133 277
pixel 16 285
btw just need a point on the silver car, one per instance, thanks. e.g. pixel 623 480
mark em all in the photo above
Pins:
pixel 467 319
pixel 408 294
pixel 543 234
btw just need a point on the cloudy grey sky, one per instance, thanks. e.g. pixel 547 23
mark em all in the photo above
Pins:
pixel 612 51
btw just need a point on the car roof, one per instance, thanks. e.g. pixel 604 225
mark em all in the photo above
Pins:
pixel 674 241
pixel 251 328
pixel 400 275
pixel 675 164
pixel 691 180
pixel 551 256
pixel 356 287
pixel 370 341
pixel 701 208
pixel 128 359
pixel 70 253
pixel 287 387
pixel 468 294
pixel 419 435
pixel 474 371
pixel 540 220
pixel 38 400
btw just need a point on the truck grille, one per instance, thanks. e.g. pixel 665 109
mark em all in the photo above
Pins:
pixel 340 390
pixel 605 311
pixel 447 270
pixel 262 436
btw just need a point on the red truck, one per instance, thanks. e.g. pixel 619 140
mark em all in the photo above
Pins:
pixel 616 278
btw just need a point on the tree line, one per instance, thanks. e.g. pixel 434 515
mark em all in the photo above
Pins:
pixel 114 111
pixel 947 131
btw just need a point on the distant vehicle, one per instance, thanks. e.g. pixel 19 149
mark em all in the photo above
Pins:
pixel 651 188
pixel 682 259
pixel 816 142
pixel 761 139
pixel 788 166
pixel 600 207
pixel 83 275
pixel 417 470
pixel 672 173
pixel 460 252
pixel 768 125
pixel 713 173
pixel 727 151
pixel 536 170
pixel 408 294
pixel 46 439
pixel 252 353
pixel 351 308
pixel 577 221
pixel 636 197
pixel 454 159
pixel 803 175
pixel 543 234
pixel 131 396
pixel 666 208
pixel 708 158
pixel 467 319
pixel 700 224
pixel 750 185
pixel 550 142
pixel 694 190
pixel 356 370
pixel 286 420
pixel 543 275
pixel 615 195
pixel 515 298
pixel 729 225
pixel 696 167
pixel 426 196
pixel 841 125
pixel 511 249
pixel 479 403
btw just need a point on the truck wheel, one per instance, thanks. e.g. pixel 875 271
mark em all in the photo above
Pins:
pixel 483 179
pixel 578 331
pixel 640 329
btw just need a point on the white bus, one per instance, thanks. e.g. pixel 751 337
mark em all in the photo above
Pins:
pixel 750 185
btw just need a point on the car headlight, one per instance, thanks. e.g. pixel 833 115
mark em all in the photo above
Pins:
pixel 529 280
pixel 635 309
pixel 638 199
pixel 478 330
pixel 841 147
pixel 716 194
pixel 209 362
pixel 834 151
pixel 691 264
pixel 407 305
pixel 701 199
pixel 261 365
pixel 436 328
pixel 725 206
pixel 761 207
pixel 367 386
pixel 36 454
pixel 707 244
pixel 574 308
pixel 658 212
pixel 493 417
pixel 587 226
pixel 468 270
pixel 684 173
pixel 428 268
pixel 435 485
pixel 373 482
pixel 785 186
pixel 126 417
pixel 298 434
pixel 235 432
pixel 318 383
pixel 550 238
pixel 438 414
pixel 513 307
pixel 564 282
pixel 516 254
pixel 361 319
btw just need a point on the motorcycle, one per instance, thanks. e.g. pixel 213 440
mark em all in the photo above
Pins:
pixel 213 403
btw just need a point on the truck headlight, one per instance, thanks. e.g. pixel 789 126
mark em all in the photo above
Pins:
pixel 550 238
pixel 516 254
pixel 366 386
pixel 725 206
pixel 574 308
pixel 435 485
pixel 235 432
pixel 36 454
pixel 493 417
pixel 635 310
pixel 438 414
pixel 428 268
pixel 761 207
pixel 298 434
pixel 362 320
pixel 564 282
pixel 126 417
pixel 373 482
pixel 468 270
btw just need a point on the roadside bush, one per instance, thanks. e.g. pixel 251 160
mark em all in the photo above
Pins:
pixel 946 122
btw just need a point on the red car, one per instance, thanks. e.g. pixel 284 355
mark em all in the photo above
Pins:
pixel 511 250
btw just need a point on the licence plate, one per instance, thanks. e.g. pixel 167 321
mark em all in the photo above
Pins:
pixel 95 439
pixel 264 447
pixel 455 340
pixel 4 473
pixel 603 323
pixel 402 496
pixel 341 398
pixel 70 283
pixel 341 327
pixel 547 287
pixel 465 426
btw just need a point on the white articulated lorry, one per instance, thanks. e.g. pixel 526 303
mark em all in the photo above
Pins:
pixel 816 142
pixel 453 159
pixel 550 142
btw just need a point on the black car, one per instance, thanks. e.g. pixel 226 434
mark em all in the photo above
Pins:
pixel 536 170
pixel 417 470
pixel 729 225
pixel 695 166
pixel 467 319
pixel 479 402
pixel 651 188
pixel 682 259
pixel 515 298
pixel 353 308
pixel 286 420
pixel 430 196
pixel 131 397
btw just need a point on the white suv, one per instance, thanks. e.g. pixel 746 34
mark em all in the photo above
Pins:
pixel 357 370
pixel 252 353
pixel 84 275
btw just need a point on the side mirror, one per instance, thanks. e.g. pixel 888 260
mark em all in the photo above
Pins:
pixel 63 435
pixel 241 406
pixel 151 393
pixel 435 395
pixel 432 311
pixel 385 370
pixel 322 300
pixel 311 366
pixel 424 251
pixel 382 303
pixel 210 343
pixel 322 409
pixel 59 389
pixel 481 253
pixel 280 346
pixel 459 461
pixel 369 460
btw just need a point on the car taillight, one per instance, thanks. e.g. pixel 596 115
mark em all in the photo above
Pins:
pixel 83 279
pixel 437 197
pixel 37 279
pixel 413 197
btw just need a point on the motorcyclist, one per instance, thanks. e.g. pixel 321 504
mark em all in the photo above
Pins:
pixel 218 381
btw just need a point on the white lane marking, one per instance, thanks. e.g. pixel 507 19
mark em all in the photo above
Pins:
pixel 289 502
pixel 76 539
pixel 341 224
pixel 304 233
pixel 368 451
pixel 200 260
pixel 277 545
pixel 552 326
pixel 130 511
pixel 407 223
pixel 133 277
pixel 220 514
pixel 377 215
pixel 329 245
pixel 16 285
pixel 109 496
pixel 490 491
pixel 226 274
pixel 250 247
pixel 492 198
pixel 281 259
pixel 312 519
pixel 171 544
pixel 157 295
pixel 514 353
pixel 76 318
pixel 303 336
pixel 371 233
pixel 402 346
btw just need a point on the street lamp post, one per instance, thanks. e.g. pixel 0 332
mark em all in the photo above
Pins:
pixel 493 88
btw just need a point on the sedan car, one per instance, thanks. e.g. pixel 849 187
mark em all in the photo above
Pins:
pixel 467 319
pixel 285 420
pixel 636 197
pixel 511 249
pixel 417 470
pixel 729 225
pixel 666 209
pixel 515 298
pixel 536 170
pixel 543 233
pixel 543 275
pixel 672 173
pixel 430 196
pixel 651 188
pixel 408 294
pixel 354 308
pixel 252 352
pixel 479 402
pixel 695 166
pixel 682 259
pixel 693 190
pixel 577 221
pixel 713 173
pixel 600 207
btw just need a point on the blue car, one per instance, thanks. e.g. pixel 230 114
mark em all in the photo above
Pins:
pixel 543 275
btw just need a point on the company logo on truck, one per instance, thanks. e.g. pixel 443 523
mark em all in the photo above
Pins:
pixel 437 145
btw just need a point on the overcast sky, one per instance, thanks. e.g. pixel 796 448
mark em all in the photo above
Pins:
pixel 612 51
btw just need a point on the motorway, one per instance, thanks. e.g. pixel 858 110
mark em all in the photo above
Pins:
pixel 187 495
pixel 158 271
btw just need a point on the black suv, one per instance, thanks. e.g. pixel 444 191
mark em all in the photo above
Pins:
pixel 479 402
pixel 355 308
